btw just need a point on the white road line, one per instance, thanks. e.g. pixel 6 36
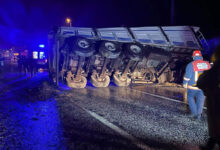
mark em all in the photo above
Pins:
pixel 170 99
pixel 120 131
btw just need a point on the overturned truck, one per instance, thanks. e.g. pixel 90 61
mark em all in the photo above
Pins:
pixel 122 55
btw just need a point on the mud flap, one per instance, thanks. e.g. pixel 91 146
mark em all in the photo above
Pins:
pixel 100 83
pixel 121 81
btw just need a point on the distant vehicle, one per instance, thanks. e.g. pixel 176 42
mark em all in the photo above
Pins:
pixel 41 59
pixel 38 55
pixel 125 55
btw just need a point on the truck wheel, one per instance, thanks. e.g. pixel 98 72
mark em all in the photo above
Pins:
pixel 72 83
pixel 134 51
pixel 83 47
pixel 95 80
pixel 121 81
pixel 110 49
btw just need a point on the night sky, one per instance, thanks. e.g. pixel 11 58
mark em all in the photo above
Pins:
pixel 27 22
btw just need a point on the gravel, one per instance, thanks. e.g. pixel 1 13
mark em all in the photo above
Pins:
pixel 159 123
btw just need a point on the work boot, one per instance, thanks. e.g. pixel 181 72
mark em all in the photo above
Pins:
pixel 198 117
pixel 192 116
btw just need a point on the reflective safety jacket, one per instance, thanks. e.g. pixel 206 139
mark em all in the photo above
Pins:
pixel 193 70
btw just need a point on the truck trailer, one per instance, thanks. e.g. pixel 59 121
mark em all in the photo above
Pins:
pixel 122 55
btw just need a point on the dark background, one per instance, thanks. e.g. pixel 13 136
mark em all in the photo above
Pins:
pixel 27 22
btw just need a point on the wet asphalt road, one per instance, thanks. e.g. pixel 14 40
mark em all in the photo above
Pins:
pixel 36 115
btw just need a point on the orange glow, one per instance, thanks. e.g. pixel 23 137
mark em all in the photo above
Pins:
pixel 68 20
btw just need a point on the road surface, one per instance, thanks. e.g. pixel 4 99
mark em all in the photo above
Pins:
pixel 34 114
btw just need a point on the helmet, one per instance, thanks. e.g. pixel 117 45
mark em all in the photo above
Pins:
pixel 197 53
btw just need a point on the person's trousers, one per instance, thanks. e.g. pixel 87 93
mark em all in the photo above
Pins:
pixel 196 101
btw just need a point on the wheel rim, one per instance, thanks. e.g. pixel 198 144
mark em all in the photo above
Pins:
pixel 110 46
pixel 135 49
pixel 83 44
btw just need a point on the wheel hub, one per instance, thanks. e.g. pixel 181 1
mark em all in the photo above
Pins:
pixel 136 49
pixel 110 46
pixel 83 44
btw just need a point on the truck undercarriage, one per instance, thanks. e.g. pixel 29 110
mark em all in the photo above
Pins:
pixel 122 55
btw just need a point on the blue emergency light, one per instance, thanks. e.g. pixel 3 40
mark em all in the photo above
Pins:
pixel 41 45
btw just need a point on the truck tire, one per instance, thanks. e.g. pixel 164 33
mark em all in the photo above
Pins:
pixel 83 47
pixel 134 51
pixel 110 49
pixel 95 81
pixel 119 81
pixel 75 84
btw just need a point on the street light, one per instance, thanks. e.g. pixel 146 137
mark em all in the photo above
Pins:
pixel 69 21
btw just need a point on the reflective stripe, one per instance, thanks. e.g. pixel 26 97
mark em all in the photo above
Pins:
pixel 193 87
pixel 187 79
pixel 196 76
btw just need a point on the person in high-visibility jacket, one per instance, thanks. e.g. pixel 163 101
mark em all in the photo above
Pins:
pixel 195 96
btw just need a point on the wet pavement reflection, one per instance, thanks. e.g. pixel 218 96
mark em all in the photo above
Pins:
pixel 174 92
pixel 28 120
pixel 30 125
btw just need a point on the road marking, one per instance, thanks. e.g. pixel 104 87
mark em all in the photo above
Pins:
pixel 120 131
pixel 170 99
pixel 175 100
